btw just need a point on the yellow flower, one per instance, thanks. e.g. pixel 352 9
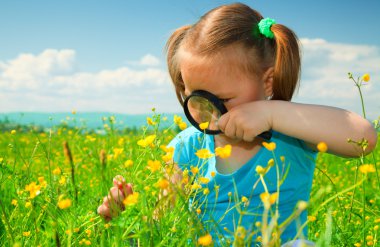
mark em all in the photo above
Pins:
pixel 64 203
pixel 223 152
pixel 117 152
pixel 33 189
pixel 14 202
pixel 13 132
pixel 177 119
pixel 131 199
pixel 322 147
pixel 268 199
pixel 146 141
pixel 199 211
pixel 162 183
pixel 28 204
pixel 149 121
pixel 366 77
pixel 302 205
pixel 244 199
pixel 57 171
pixel 260 170
pixel 204 180
pixel 169 153
pixel 271 162
pixel 367 168
pixel 128 163
pixel 26 234
pixel 88 232
pixel 206 191
pixel 194 170
pixel 273 198
pixel 205 240
pixel 42 182
pixel 204 125
pixel 182 125
pixel 195 186
pixel 203 153
pixel 311 218
pixel 62 180
pixel 154 165
pixel 213 174
pixel 270 146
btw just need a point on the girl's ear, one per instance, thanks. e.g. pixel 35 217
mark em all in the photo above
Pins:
pixel 268 82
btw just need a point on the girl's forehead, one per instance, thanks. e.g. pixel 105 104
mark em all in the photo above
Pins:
pixel 228 58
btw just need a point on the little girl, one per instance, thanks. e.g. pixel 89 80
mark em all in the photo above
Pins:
pixel 252 65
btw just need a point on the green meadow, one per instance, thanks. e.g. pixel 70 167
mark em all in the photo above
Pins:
pixel 52 181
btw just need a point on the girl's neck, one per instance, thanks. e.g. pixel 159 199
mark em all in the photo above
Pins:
pixel 242 152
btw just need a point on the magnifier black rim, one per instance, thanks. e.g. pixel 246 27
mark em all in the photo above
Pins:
pixel 213 99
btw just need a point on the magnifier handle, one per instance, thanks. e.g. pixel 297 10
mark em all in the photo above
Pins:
pixel 267 135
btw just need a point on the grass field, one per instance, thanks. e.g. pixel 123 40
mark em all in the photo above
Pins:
pixel 51 184
pixel 52 181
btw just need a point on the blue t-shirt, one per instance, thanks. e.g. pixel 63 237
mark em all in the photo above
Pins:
pixel 221 210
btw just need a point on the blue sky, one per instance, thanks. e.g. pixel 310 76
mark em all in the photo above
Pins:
pixel 108 55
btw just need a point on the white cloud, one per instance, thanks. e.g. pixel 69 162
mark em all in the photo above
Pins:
pixel 147 60
pixel 49 82
pixel 325 68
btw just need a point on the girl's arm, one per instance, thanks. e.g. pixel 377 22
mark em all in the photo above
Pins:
pixel 315 123
pixel 311 123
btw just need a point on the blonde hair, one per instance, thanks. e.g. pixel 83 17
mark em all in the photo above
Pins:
pixel 237 24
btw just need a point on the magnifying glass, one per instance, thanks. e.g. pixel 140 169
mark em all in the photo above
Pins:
pixel 204 107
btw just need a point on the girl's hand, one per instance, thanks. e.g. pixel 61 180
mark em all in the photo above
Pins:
pixel 246 121
pixel 113 202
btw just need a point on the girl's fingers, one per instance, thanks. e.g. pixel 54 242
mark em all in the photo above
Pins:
pixel 119 182
pixel 127 189
pixel 104 211
pixel 106 201
pixel 116 195
pixel 223 121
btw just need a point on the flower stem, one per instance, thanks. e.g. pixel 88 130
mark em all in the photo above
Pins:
pixel 361 99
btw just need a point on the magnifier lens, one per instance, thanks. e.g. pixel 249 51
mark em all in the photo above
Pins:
pixel 203 107
pixel 202 111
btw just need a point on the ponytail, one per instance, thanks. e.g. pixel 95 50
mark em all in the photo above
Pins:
pixel 287 66
pixel 172 46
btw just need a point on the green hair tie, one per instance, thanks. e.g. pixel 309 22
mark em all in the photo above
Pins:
pixel 264 27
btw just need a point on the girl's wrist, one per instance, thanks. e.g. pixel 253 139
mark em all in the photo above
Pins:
pixel 276 110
